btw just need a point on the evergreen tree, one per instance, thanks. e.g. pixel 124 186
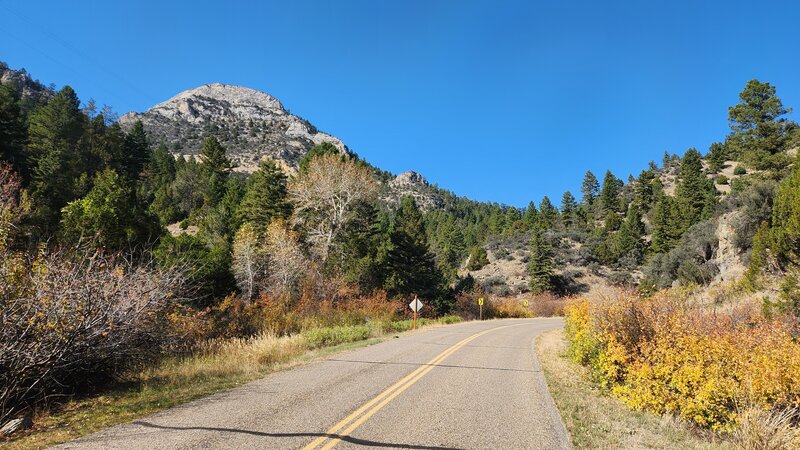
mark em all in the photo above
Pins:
pixel 54 143
pixel 12 130
pixel 695 192
pixel 265 197
pixel 662 223
pixel 410 266
pixel 356 250
pixel 531 216
pixel 477 258
pixel 216 167
pixel 643 191
pixel 589 188
pixel 609 195
pixel 108 216
pixel 629 239
pixel 548 214
pixel 137 151
pixel 103 147
pixel 717 155
pixel 219 224
pixel 759 132
pixel 513 221
pixel 786 217
pixel 569 209
pixel 758 257
pixel 540 264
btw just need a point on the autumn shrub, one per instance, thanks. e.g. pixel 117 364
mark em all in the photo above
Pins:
pixel 666 355
pixel 466 304
pixel 67 320
pixel 547 305
pixel 504 307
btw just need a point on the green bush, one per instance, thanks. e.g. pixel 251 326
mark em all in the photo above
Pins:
pixel 447 320
pixel 329 336
pixel 722 179
pixel 739 170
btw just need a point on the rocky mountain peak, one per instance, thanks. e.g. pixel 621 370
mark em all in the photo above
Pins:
pixel 251 124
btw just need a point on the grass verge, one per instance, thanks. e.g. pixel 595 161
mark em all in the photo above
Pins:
pixel 597 421
pixel 216 366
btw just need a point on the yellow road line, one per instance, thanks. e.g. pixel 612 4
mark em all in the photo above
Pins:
pixel 371 407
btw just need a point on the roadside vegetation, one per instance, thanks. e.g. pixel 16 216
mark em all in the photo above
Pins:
pixel 724 370
pixel 596 420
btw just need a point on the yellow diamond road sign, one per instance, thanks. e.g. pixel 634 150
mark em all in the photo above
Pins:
pixel 480 301
pixel 525 303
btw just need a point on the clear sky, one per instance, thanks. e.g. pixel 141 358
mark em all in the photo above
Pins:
pixel 496 100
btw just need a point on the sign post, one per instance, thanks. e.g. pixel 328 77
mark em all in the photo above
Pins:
pixel 480 308
pixel 415 306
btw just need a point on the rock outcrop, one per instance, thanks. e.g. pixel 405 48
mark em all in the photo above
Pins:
pixel 415 185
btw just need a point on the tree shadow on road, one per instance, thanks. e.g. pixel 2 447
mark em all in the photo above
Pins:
pixel 349 439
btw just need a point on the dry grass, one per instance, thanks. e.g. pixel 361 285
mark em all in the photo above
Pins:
pixel 597 421
pixel 767 430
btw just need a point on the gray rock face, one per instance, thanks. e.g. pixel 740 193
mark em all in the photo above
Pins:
pixel 252 125
pixel 32 90
pixel 415 185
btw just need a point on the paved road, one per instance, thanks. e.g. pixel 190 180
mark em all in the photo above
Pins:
pixel 474 385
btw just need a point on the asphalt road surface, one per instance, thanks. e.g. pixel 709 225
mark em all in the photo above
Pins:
pixel 476 385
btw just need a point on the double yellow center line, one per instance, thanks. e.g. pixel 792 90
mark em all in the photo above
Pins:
pixel 343 429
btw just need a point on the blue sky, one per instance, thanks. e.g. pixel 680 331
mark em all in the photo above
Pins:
pixel 497 100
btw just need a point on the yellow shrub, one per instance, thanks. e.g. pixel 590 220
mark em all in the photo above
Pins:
pixel 664 355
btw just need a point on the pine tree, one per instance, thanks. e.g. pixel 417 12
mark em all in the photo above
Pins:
pixel 216 167
pixel 54 143
pixel 12 130
pixel 137 151
pixel 643 191
pixel 265 197
pixel 662 238
pixel 786 217
pixel 108 216
pixel 759 132
pixel 717 156
pixel 695 191
pixel 548 214
pixel 540 264
pixel 589 188
pixel 758 257
pixel 609 195
pixel 629 239
pixel 569 210
pixel 512 220
pixel 531 216
pixel 356 249
pixel 410 265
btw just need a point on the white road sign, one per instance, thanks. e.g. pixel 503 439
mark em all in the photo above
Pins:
pixel 415 305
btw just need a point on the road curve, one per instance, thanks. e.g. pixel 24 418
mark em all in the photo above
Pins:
pixel 476 385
